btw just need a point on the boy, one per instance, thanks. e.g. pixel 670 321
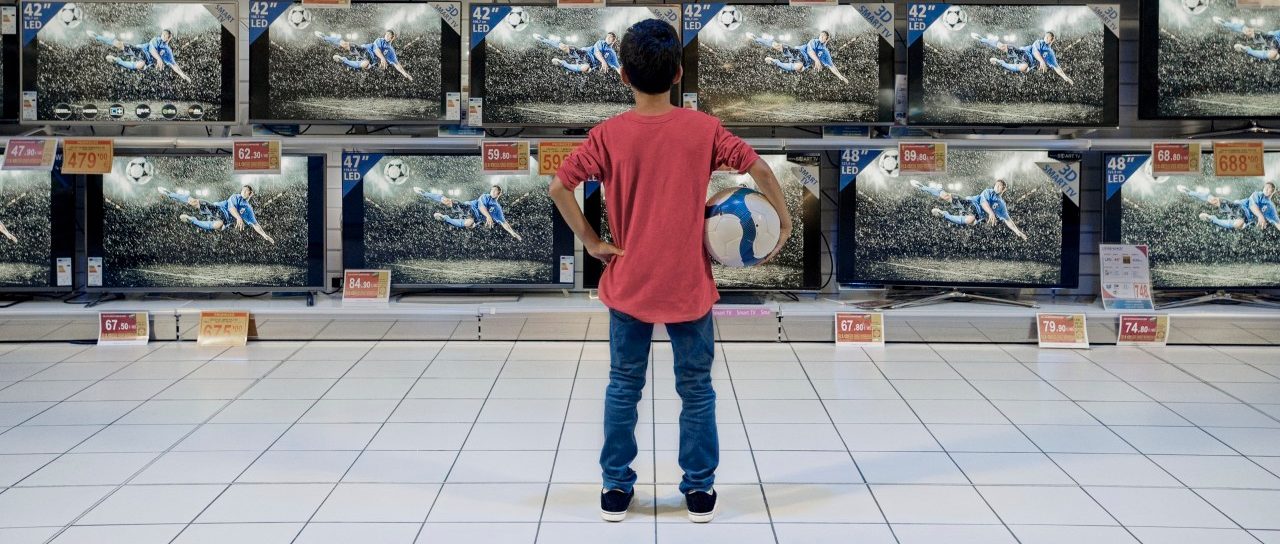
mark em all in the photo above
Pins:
pixel 655 161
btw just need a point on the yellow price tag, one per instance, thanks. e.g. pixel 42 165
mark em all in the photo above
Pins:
pixel 1238 159
pixel 552 153
pixel 87 155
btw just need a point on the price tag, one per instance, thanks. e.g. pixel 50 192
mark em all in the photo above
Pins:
pixel 1238 159
pixel 123 328
pixel 1062 331
pixel 922 157
pixel 866 329
pixel 30 154
pixel 366 286
pixel 1175 158
pixel 1143 330
pixel 219 328
pixel 1126 277
pixel 256 156
pixel 552 153
pixel 505 156
pixel 87 156
pixel 327 3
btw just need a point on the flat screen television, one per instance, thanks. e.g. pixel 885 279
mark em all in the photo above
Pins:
pixel 545 66
pixel 1202 232
pixel 996 218
pixel 1013 65
pixel 9 71
pixel 37 230
pixel 797 268
pixel 96 62
pixel 310 65
pixel 188 223
pixel 1207 59
pixel 426 217
pixel 765 64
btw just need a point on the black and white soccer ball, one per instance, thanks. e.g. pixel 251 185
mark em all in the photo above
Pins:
pixel 888 163
pixel 298 17
pixel 729 18
pixel 70 16
pixel 518 19
pixel 955 18
pixel 1196 7
pixel 396 172
pixel 139 171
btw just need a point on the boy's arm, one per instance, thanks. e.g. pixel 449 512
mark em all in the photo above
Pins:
pixel 572 214
pixel 768 185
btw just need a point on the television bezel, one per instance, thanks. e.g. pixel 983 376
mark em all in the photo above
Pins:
pixel 10 55
pixel 62 240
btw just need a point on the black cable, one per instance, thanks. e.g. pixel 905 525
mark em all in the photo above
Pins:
pixel 809 130
pixel 251 295
pixel 831 256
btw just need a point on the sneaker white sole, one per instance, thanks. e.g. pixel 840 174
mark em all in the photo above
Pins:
pixel 704 518
pixel 613 516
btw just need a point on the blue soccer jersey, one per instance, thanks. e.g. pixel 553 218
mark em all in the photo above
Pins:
pixel 992 199
pixel 605 50
pixel 241 206
pixel 1046 51
pixel 491 205
pixel 1264 204
pixel 380 45
pixel 157 44
pixel 818 48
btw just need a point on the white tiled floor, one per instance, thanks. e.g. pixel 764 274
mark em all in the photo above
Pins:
pixel 404 442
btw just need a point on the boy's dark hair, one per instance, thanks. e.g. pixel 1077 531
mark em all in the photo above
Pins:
pixel 650 54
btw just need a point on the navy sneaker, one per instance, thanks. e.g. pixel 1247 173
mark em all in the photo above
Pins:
pixel 614 504
pixel 702 505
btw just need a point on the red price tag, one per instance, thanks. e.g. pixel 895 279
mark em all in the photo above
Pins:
pixel 30 153
pixel 1238 159
pixel 87 156
pixel 1172 158
pixel 552 153
pixel 864 329
pixel 922 157
pixel 366 285
pixel 505 157
pixel 1143 330
pixel 226 329
pixel 123 328
pixel 256 156
pixel 1062 331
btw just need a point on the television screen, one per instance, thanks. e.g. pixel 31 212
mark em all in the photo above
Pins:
pixel 1202 231
pixel 797 267
pixel 1204 59
pixel 36 230
pixel 438 220
pixel 779 64
pixel 128 62
pixel 541 65
pixel 995 218
pixel 9 82
pixel 189 222
pixel 375 61
pixel 1013 65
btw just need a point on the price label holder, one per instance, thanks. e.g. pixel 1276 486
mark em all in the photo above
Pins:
pixel 505 157
pixel 860 329
pixel 1143 330
pixel 366 286
pixel 30 154
pixel 1175 158
pixel 922 157
pixel 1238 159
pixel 123 328
pixel 223 328
pixel 1126 277
pixel 1062 331
pixel 255 156
pixel 552 153
pixel 87 155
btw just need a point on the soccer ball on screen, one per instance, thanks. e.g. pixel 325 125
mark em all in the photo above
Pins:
pixel 1195 7
pixel 729 18
pixel 518 19
pixel 298 17
pixel 395 171
pixel 888 163
pixel 70 15
pixel 741 227
pixel 955 17
pixel 139 171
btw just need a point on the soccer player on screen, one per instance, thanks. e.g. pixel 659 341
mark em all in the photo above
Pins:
pixel 1265 45
pixel 380 51
pixel 5 231
pixel 600 56
pixel 139 56
pixel 468 214
pixel 216 216
pixel 1257 208
pixel 1023 59
pixel 988 206
pixel 812 55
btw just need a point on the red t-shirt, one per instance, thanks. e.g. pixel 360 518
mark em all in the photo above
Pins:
pixel 655 171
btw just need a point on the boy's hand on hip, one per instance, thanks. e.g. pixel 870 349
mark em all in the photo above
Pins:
pixel 604 251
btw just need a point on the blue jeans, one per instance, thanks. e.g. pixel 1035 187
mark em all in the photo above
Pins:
pixel 694 346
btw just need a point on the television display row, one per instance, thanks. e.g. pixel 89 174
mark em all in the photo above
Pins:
pixel 997 218
pixel 972 64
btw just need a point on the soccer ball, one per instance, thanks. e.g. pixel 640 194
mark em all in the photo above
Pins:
pixel 1195 7
pixel 729 18
pixel 518 19
pixel 70 15
pixel 741 227
pixel 139 171
pixel 888 163
pixel 955 17
pixel 298 17
pixel 395 171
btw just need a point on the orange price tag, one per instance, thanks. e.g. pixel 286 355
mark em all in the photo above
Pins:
pixel 123 328
pixel 505 157
pixel 256 156
pixel 30 153
pixel 219 328
pixel 87 156
pixel 922 157
pixel 552 153
pixel 1143 330
pixel 1062 331
pixel 1238 159
pixel 1173 158
pixel 863 329
pixel 366 285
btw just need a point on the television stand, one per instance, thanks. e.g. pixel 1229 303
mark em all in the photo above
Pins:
pixel 740 299
pixel 1222 296
pixel 957 295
